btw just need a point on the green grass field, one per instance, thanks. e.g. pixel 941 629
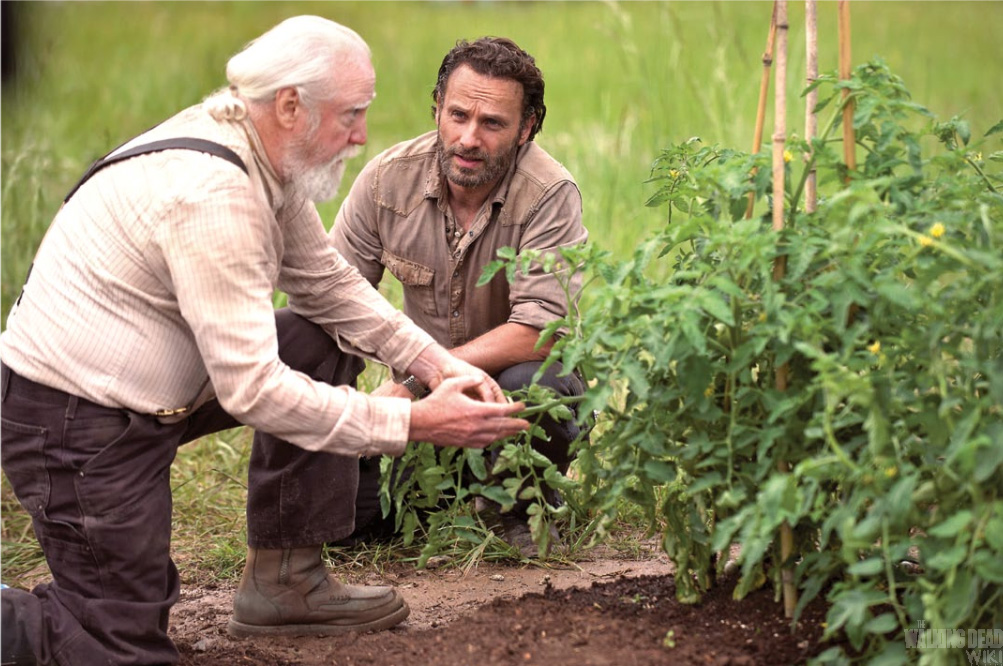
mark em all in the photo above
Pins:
pixel 623 81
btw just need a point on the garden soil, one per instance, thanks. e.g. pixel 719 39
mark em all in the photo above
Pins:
pixel 602 611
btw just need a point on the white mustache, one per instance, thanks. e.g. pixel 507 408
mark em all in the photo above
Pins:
pixel 347 154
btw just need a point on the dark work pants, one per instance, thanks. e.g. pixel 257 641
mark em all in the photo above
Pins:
pixel 96 482
pixel 295 497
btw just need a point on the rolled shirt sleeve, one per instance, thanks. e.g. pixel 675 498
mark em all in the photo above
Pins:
pixel 537 298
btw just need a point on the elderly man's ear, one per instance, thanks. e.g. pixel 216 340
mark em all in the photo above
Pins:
pixel 288 107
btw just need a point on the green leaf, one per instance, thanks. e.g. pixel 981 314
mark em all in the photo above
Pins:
pixel 893 653
pixel 994 528
pixel 529 492
pixel 660 471
pixel 946 559
pixel 490 270
pixel 717 307
pixel 499 495
pixel 959 598
pixel 850 608
pixel 882 624
pixel 475 461
pixel 703 483
pixel 989 566
pixel 869 567
pixel 953 525
pixel 780 499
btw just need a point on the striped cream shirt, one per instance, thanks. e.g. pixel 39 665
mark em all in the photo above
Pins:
pixel 158 275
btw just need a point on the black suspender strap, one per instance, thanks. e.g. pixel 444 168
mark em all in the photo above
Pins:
pixel 182 143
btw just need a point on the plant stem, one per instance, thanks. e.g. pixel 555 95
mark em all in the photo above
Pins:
pixel 979 170
pixel 810 166
pixel 547 406
pixel 890 575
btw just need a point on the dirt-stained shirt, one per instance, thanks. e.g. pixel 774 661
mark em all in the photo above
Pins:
pixel 158 276
pixel 397 217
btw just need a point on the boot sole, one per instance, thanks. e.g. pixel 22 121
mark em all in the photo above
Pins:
pixel 241 630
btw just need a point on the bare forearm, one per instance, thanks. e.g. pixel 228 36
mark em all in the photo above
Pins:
pixel 503 347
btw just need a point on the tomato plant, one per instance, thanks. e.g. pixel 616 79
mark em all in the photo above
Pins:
pixel 884 451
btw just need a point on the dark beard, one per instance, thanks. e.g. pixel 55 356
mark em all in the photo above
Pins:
pixel 494 166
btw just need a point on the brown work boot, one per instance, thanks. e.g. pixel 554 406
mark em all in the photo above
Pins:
pixel 291 593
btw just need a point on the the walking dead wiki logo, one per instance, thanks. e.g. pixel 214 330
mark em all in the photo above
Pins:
pixel 983 647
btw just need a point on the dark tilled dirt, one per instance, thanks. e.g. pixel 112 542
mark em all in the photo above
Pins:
pixel 620 619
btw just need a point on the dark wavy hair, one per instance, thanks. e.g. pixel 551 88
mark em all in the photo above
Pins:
pixel 500 58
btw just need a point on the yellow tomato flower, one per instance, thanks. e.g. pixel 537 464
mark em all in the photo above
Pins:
pixel 673 174
pixel 891 472
pixel 709 391
pixel 788 156
pixel 937 230
pixel 925 241
pixel 875 348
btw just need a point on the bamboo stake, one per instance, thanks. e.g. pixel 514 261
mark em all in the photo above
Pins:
pixel 764 87
pixel 779 123
pixel 811 119
pixel 849 137
pixel 779 269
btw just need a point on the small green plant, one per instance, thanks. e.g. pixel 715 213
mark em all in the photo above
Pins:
pixel 433 493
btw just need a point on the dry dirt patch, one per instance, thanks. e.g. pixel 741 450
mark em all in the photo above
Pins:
pixel 602 611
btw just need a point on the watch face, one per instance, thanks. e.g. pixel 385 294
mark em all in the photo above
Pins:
pixel 416 389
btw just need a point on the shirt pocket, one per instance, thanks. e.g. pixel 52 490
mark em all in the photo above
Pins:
pixel 418 282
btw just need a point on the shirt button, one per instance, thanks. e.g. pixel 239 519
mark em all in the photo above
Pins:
pixel 456 273
pixel 456 233
pixel 456 313
pixel 471 234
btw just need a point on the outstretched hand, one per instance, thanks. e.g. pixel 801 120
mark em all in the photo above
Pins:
pixel 449 416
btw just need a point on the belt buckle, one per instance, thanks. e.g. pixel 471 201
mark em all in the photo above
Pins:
pixel 168 416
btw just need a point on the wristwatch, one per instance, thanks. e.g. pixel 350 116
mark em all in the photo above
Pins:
pixel 417 389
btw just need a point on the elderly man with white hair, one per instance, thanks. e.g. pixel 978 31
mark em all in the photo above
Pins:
pixel 147 322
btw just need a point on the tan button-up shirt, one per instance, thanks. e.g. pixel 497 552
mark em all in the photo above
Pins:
pixel 397 216
pixel 159 273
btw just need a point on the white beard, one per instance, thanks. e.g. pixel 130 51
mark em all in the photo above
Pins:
pixel 320 182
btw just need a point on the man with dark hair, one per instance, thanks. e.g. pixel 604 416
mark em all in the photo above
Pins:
pixel 148 322
pixel 435 210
